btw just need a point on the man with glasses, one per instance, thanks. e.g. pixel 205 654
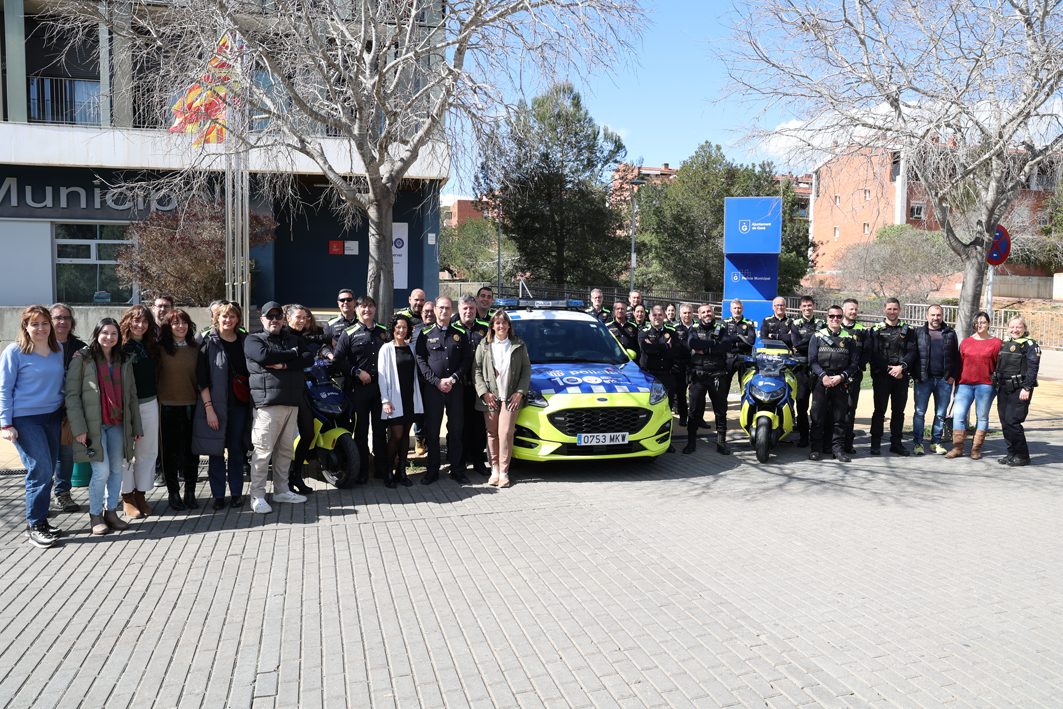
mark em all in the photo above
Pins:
pixel 804 329
pixel 443 357
pixel 850 311
pixel 356 360
pixel 833 357
pixel 275 361
pixel 160 308
pixel 892 357
pixel 661 347
pixel 347 318
pixel 597 307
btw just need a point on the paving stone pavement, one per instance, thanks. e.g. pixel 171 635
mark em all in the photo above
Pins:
pixel 696 580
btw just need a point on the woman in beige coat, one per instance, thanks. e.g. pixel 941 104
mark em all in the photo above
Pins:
pixel 502 372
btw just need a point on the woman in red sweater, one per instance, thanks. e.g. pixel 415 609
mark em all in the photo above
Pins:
pixel 978 360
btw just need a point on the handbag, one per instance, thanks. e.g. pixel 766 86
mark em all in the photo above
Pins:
pixel 241 387
pixel 66 434
pixel 946 428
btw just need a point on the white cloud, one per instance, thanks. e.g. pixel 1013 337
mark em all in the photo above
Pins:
pixel 622 132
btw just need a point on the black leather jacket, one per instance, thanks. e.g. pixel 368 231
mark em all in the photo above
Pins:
pixel 952 353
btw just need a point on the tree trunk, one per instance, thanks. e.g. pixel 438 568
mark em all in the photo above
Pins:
pixel 974 268
pixel 381 281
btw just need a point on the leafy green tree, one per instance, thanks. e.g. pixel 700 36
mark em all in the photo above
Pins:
pixel 548 171
pixel 469 251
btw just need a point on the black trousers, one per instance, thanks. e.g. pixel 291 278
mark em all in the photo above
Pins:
pixel 803 397
pixel 305 422
pixel 717 388
pixel 435 404
pixel 681 391
pixel 177 455
pixel 888 390
pixel 826 403
pixel 1012 412
pixel 474 432
pixel 367 406
pixel 850 414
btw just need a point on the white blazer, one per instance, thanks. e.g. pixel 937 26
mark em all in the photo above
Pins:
pixel 388 379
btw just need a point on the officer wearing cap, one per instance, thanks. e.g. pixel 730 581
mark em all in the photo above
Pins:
pixel 443 357
pixel 356 360
pixel 709 346
pixel 625 331
pixel 833 357
pixel 1016 376
pixel 804 328
pixel 597 307
pixel 893 354
pixel 348 315
pixel 862 334
pixel 660 347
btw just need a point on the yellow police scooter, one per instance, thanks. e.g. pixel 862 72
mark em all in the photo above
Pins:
pixel 333 444
pixel 768 388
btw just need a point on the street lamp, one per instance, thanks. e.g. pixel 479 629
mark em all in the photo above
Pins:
pixel 632 184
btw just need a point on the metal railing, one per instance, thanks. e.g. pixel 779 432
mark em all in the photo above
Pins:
pixel 555 291
pixel 67 101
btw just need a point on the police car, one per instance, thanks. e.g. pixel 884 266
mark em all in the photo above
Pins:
pixel 587 399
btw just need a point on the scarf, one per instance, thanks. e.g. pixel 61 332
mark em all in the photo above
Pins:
pixel 110 393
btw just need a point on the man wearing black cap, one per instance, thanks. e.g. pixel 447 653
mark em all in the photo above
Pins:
pixel 275 363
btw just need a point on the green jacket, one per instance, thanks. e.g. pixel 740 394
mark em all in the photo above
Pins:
pixel 483 371
pixel 85 411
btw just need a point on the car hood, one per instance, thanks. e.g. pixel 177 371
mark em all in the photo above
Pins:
pixel 584 378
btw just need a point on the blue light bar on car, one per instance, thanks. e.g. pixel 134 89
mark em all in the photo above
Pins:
pixel 531 303
pixel 507 302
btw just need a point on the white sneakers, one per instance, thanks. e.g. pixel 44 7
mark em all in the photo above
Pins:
pixel 289 497
pixel 260 506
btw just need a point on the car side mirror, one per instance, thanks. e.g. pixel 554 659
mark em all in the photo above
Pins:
pixel 631 355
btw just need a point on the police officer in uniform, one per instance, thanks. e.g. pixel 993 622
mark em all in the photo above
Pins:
pixel 893 354
pixel 850 310
pixel 669 315
pixel 485 302
pixel 709 346
pixel 474 438
pixel 356 360
pixel 413 311
pixel 804 328
pixel 743 332
pixel 347 318
pixel 833 358
pixel 660 347
pixel 778 326
pixel 598 308
pixel 682 364
pixel 443 357
pixel 1016 377
pixel 625 331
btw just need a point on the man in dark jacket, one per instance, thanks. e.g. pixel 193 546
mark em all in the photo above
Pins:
pixel 938 357
pixel 892 357
pixel 275 363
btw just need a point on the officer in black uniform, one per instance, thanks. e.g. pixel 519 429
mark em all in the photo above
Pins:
pixel 597 307
pixel 709 346
pixel 779 326
pixel 474 437
pixel 1015 377
pixel 624 330
pixel 862 333
pixel 833 357
pixel 348 315
pixel 660 347
pixel 804 327
pixel 743 332
pixel 682 365
pixel 893 354
pixel 413 311
pixel 443 357
pixel 670 315
pixel 356 360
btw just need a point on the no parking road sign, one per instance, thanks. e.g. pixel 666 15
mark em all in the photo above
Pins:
pixel 998 254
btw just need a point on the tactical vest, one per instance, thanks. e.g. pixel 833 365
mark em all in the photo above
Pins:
pixel 806 328
pixel 835 351
pixel 1011 360
pixel 710 362
pixel 892 341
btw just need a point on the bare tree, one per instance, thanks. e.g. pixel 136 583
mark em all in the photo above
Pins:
pixel 365 89
pixel 961 94
pixel 901 262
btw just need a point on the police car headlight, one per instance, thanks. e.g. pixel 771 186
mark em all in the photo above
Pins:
pixel 766 396
pixel 657 393
pixel 536 399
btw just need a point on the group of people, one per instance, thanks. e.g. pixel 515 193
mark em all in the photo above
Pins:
pixel 148 391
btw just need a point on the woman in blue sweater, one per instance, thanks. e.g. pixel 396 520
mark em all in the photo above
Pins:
pixel 31 398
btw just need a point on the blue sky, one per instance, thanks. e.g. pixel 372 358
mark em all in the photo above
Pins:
pixel 662 108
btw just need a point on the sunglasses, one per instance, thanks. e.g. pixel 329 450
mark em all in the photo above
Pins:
pixel 273 316
pixel 345 300
pixel 834 317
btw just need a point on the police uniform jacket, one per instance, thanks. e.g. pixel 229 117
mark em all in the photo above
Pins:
pixel 660 348
pixel 337 325
pixel 714 342
pixel 772 328
pixel 627 335
pixel 358 350
pixel 862 333
pixel 951 346
pixel 476 334
pixel 1017 364
pixel 443 353
pixel 892 345
pixel 830 354
pixel 604 315
pixel 803 330
pixel 743 332
pixel 683 331
pixel 415 320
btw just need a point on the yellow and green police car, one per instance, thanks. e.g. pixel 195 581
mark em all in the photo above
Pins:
pixel 587 399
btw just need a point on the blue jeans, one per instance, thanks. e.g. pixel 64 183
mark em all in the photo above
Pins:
pixel 235 425
pixel 64 469
pixel 38 445
pixel 942 391
pixel 981 395
pixel 107 470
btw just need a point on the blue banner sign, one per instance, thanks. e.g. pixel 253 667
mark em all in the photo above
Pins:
pixel 752 225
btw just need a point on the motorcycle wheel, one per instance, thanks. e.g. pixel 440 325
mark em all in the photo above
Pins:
pixel 348 471
pixel 763 439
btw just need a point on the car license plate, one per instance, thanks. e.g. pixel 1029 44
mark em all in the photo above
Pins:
pixel 601 439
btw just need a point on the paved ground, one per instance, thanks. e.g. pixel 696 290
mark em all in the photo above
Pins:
pixel 694 581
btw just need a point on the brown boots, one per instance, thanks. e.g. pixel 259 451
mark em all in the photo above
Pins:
pixel 976 449
pixel 129 504
pixel 958 438
pixel 98 525
pixel 142 503
pixel 111 519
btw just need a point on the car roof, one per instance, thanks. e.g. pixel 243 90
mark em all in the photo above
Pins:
pixel 551 315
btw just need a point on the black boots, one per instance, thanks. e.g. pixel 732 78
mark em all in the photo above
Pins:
pixel 400 475
pixel 175 502
pixel 295 480
pixel 721 442
pixel 389 478
pixel 190 496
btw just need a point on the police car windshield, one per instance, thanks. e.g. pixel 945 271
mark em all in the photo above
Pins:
pixel 569 341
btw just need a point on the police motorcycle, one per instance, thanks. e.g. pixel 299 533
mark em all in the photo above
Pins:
pixel 333 444
pixel 768 390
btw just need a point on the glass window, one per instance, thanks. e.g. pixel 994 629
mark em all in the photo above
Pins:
pixel 85 263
